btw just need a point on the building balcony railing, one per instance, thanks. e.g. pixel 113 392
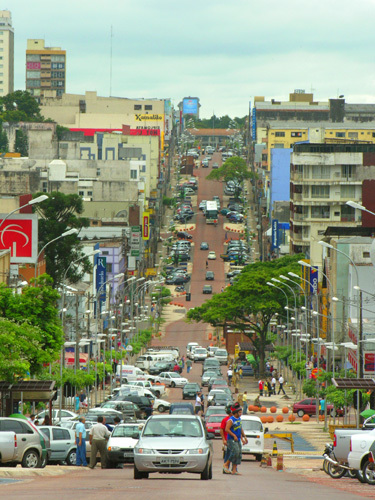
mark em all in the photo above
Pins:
pixel 296 176
pixel 297 196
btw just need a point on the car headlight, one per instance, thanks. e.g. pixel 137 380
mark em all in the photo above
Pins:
pixel 145 451
pixel 197 451
pixel 113 448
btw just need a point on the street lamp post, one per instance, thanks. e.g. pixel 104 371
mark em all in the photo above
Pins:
pixel 39 199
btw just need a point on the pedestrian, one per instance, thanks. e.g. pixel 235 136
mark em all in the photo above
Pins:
pixel 240 372
pixel 202 402
pixel 32 418
pixel 109 427
pixel 99 434
pixel 117 420
pixel 82 399
pixel 245 404
pixel 183 362
pixel 47 420
pixel 224 435
pixel 322 405
pixel 198 404
pixel 76 403
pixel 81 460
pixel 269 388
pixel 273 385
pixel 281 384
pixel 230 375
pixel 206 264
pixel 260 385
pixel 235 438
pixel 189 364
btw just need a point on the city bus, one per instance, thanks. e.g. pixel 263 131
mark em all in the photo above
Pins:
pixel 211 212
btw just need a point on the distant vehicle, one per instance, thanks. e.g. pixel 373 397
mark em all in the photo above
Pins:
pixel 184 235
pixel 211 350
pixel 234 273
pixel 202 204
pixel 215 410
pixel 190 390
pixel 172 379
pixel 207 289
pixel 254 431
pixel 247 371
pixel 181 409
pixel 308 407
pixel 211 255
pixel 205 163
pixel 210 275
pixel 200 354
pixel 63 444
pixel 213 423
pixel 215 165
pixel 211 212
pixel 222 356
pixel 204 245
pixel 207 376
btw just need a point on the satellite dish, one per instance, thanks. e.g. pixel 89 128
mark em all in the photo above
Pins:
pixel 122 213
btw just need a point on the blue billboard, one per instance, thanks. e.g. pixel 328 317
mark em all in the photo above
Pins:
pixel 313 279
pixel 254 124
pixel 275 233
pixel 190 106
pixel 101 277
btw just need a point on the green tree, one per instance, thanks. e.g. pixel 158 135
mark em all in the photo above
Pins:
pixel 58 214
pixel 21 144
pixel 233 169
pixel 4 143
pixel 250 304
pixel 20 105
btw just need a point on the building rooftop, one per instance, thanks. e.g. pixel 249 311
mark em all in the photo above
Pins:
pixel 212 131
pixel 298 124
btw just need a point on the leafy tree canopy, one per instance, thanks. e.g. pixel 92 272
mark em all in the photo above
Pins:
pixel 216 122
pixel 19 106
pixel 249 304
pixel 59 213
pixel 233 169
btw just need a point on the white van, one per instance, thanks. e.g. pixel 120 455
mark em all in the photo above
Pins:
pixel 129 373
pixel 222 356
pixel 167 349
pixel 189 348
pixel 144 362
pixel 254 431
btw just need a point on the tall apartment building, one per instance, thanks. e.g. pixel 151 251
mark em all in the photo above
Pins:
pixel 45 69
pixel 6 53
pixel 323 177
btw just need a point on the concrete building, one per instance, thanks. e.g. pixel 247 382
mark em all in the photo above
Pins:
pixel 45 70
pixel 212 136
pixel 323 178
pixel 6 53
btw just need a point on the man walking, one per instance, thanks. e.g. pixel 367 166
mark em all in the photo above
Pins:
pixel 224 435
pixel 230 375
pixel 235 436
pixel 99 435
pixel 188 365
pixel 273 385
pixel 244 402
pixel 81 443
pixel 198 404
pixel 281 384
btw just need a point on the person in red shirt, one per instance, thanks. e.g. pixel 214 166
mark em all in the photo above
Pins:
pixel 224 434
pixel 260 385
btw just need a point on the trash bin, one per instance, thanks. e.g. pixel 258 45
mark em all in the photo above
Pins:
pixel 188 297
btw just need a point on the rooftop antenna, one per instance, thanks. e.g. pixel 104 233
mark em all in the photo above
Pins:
pixel 110 64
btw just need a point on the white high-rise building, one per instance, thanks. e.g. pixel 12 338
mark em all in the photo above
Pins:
pixel 6 53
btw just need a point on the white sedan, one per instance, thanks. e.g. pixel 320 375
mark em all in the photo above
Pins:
pixel 161 405
pixel 120 446
pixel 65 416
pixel 211 255
pixel 172 379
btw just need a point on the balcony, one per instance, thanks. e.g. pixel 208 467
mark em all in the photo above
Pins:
pixel 299 217
pixel 296 176
pixel 297 196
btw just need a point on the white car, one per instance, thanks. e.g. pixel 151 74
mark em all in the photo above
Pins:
pixel 65 416
pixel 172 379
pixel 120 446
pixel 211 351
pixel 200 354
pixel 190 349
pixel 211 255
pixel 254 431
pixel 161 405
pixel 146 384
pixel 222 356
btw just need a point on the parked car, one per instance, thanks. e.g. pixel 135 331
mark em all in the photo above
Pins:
pixel 254 431
pixel 308 407
pixel 211 255
pixel 127 408
pixel 63 444
pixel 181 409
pixel 190 390
pixel 177 443
pixel 161 405
pixel 215 165
pixel 143 402
pixel 210 276
pixel 200 354
pixel 161 366
pixel 184 235
pixel 204 245
pixel 222 356
pixel 33 446
pixel 171 379
pixel 207 289
pixel 120 446
pixel 247 371
pixel 65 415
pixel 213 423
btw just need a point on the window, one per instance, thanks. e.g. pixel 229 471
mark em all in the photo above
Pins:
pixel 33 57
pixel 81 193
pixel 319 191
pixel 105 252
pixel 57 65
pixel 320 172
pixel 143 168
pixel 296 134
pixel 264 157
pixel 347 192
pixel 137 107
pixel 353 135
pixel 109 267
pixel 366 255
pixel 32 74
pixel 98 171
pixel 148 107
pixel 321 212
pixel 55 58
pixel 89 193
pixel 280 134
pixel 32 83
pixel 133 174
pixel 340 134
pixel 347 171
pixel 59 435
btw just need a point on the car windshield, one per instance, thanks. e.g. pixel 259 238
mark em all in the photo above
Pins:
pixel 215 419
pixel 221 352
pixel 175 375
pixel 126 431
pixel 173 427
pixel 252 425
pixel 200 351
pixel 192 386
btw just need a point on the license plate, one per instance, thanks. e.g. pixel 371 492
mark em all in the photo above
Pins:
pixel 169 461
pixel 128 454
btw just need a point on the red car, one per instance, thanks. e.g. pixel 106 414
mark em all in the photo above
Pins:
pixel 213 423
pixel 308 407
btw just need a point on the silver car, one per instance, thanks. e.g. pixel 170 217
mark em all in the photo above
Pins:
pixel 63 445
pixel 173 443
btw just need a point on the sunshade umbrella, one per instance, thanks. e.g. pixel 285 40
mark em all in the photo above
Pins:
pixel 367 413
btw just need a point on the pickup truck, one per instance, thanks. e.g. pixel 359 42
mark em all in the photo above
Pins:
pixel 362 454
pixel 157 389
pixel 8 447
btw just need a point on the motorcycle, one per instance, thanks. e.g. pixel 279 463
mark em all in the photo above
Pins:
pixel 335 469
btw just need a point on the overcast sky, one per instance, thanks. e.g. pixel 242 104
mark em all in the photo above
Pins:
pixel 224 52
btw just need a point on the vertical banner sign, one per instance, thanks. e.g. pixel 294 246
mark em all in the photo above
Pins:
pixel 146 226
pixel 101 277
pixel 250 120
pixel 275 233
pixel 254 124
pixel 313 279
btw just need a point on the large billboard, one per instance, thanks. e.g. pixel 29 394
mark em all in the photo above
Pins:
pixel 19 233
pixel 146 225
pixel 190 106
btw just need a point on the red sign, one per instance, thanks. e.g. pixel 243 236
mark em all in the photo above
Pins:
pixel 20 234
pixel 146 226
pixel 352 336
pixel 369 362
pixel 352 358
pixel 33 65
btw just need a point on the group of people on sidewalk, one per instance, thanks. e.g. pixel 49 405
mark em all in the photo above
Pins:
pixel 268 387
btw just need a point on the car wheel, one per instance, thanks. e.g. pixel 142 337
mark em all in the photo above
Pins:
pixel 139 475
pixel 359 476
pixel 173 384
pixel 31 460
pixel 335 471
pixel 161 409
pixel 300 413
pixel 258 457
pixel 368 471
pixel 44 462
pixel 205 475
pixel 71 459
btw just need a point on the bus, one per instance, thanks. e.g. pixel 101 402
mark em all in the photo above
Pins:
pixel 211 212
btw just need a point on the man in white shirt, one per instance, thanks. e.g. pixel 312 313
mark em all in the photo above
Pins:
pixel 230 375
pixel 198 404
pixel 281 383
pixel 99 435
pixel 273 385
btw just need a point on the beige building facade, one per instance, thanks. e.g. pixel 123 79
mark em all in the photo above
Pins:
pixel 6 53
